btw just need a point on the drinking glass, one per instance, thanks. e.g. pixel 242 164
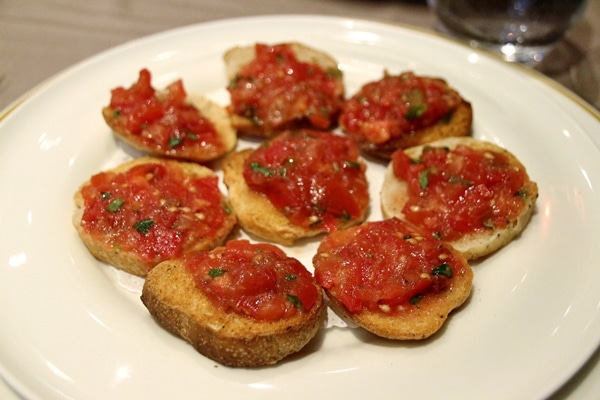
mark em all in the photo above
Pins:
pixel 523 31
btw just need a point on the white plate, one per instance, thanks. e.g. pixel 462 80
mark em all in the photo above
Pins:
pixel 74 328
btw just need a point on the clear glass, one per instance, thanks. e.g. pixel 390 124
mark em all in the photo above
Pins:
pixel 520 30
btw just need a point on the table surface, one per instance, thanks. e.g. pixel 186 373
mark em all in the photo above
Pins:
pixel 39 38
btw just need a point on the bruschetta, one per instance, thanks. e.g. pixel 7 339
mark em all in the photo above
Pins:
pixel 242 304
pixel 169 123
pixel 404 110
pixel 283 86
pixel 147 210
pixel 298 185
pixel 471 193
pixel 392 280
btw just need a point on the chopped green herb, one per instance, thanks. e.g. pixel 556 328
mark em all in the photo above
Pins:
pixel 424 178
pixel 105 195
pixel 251 114
pixel 415 299
pixel 116 113
pixel 115 205
pixel 302 134
pixel 319 208
pixel 446 118
pixel 215 272
pixel 437 235
pixel 333 73
pixel 345 216
pixel 352 164
pixel 461 180
pixel 144 226
pixel 522 193
pixel 415 111
pixel 291 277
pixel 174 142
pixel 256 167
pixel 324 110
pixel 294 300
pixel 489 224
pixel 443 269
pixel 233 82
pixel 191 135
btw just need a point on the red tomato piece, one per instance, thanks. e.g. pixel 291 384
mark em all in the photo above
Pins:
pixel 257 280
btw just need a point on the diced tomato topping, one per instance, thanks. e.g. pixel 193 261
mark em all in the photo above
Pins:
pixel 461 191
pixel 315 178
pixel 384 266
pixel 276 90
pixel 396 105
pixel 153 209
pixel 163 122
pixel 256 280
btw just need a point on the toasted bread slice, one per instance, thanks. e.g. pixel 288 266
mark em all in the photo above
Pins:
pixel 167 220
pixel 173 296
pixel 479 243
pixel 258 216
pixel 390 280
pixel 306 104
pixel 384 132
pixel 169 123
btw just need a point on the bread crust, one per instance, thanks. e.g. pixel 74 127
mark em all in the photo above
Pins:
pixel 219 117
pixel 238 57
pixel 171 296
pixel 130 261
pixel 416 322
pixel 394 195
pixel 458 124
